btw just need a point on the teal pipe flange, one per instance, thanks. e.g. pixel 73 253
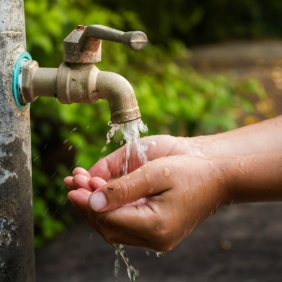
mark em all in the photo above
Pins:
pixel 25 56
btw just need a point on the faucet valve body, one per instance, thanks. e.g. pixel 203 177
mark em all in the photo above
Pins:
pixel 80 83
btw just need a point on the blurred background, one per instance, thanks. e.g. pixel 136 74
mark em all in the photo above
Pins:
pixel 210 66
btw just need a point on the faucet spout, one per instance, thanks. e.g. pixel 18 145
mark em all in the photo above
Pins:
pixel 121 97
pixel 80 83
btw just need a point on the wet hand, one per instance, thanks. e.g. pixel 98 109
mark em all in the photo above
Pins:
pixel 112 166
pixel 82 179
pixel 180 193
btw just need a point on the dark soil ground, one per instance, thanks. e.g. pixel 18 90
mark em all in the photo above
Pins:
pixel 240 243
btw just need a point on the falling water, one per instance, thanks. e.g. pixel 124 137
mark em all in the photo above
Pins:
pixel 132 273
pixel 131 134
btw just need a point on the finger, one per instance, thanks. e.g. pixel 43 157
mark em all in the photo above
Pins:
pixel 80 170
pixel 69 183
pixel 129 219
pixel 111 235
pixel 112 166
pixel 79 197
pixel 146 225
pixel 81 181
pixel 96 183
pixel 152 178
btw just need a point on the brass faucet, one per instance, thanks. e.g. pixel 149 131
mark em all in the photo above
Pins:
pixel 78 80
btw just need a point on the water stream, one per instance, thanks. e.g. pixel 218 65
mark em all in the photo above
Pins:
pixel 131 134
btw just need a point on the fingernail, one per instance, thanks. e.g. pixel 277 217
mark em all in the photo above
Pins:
pixel 98 201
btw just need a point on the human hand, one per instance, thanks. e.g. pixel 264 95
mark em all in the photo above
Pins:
pixel 180 193
pixel 156 147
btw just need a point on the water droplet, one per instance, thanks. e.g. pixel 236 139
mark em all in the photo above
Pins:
pixel 45 146
pixel 104 149
pixel 79 144
pixel 166 172
pixel 35 159
pixel 116 267
pixel 160 254
pixel 147 252
pixel 65 141
pixel 133 273
pixel 153 142
pixel 74 129
pixel 45 212
pixel 151 190
pixel 213 212
pixel 70 147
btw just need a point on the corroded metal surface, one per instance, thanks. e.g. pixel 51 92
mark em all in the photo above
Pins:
pixel 37 82
pixel 83 45
pixel 81 83
pixel 120 95
pixel 76 51
pixel 16 217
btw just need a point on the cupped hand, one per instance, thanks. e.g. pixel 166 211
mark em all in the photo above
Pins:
pixel 112 166
pixel 180 193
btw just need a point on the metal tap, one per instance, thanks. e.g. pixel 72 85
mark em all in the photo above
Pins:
pixel 78 80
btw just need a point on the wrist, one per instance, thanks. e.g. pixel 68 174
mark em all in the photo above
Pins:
pixel 225 168
pixel 200 146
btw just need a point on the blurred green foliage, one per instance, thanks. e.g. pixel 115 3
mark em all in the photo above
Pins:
pixel 173 99
pixel 195 22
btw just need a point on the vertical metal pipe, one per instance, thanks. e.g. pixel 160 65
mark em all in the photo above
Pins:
pixel 16 216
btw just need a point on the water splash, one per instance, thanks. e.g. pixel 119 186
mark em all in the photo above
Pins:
pixel 131 133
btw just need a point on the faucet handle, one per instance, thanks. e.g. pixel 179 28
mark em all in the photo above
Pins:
pixel 83 45
pixel 136 40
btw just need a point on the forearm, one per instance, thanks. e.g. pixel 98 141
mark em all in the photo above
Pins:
pixel 253 178
pixel 256 138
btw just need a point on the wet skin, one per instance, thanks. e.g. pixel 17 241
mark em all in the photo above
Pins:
pixel 184 181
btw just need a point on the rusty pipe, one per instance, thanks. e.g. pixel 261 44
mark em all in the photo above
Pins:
pixel 80 83
pixel 120 95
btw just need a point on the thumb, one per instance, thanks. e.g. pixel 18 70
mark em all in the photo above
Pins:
pixel 148 180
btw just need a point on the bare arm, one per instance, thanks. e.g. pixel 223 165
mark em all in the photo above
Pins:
pixel 255 178
pixel 256 138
